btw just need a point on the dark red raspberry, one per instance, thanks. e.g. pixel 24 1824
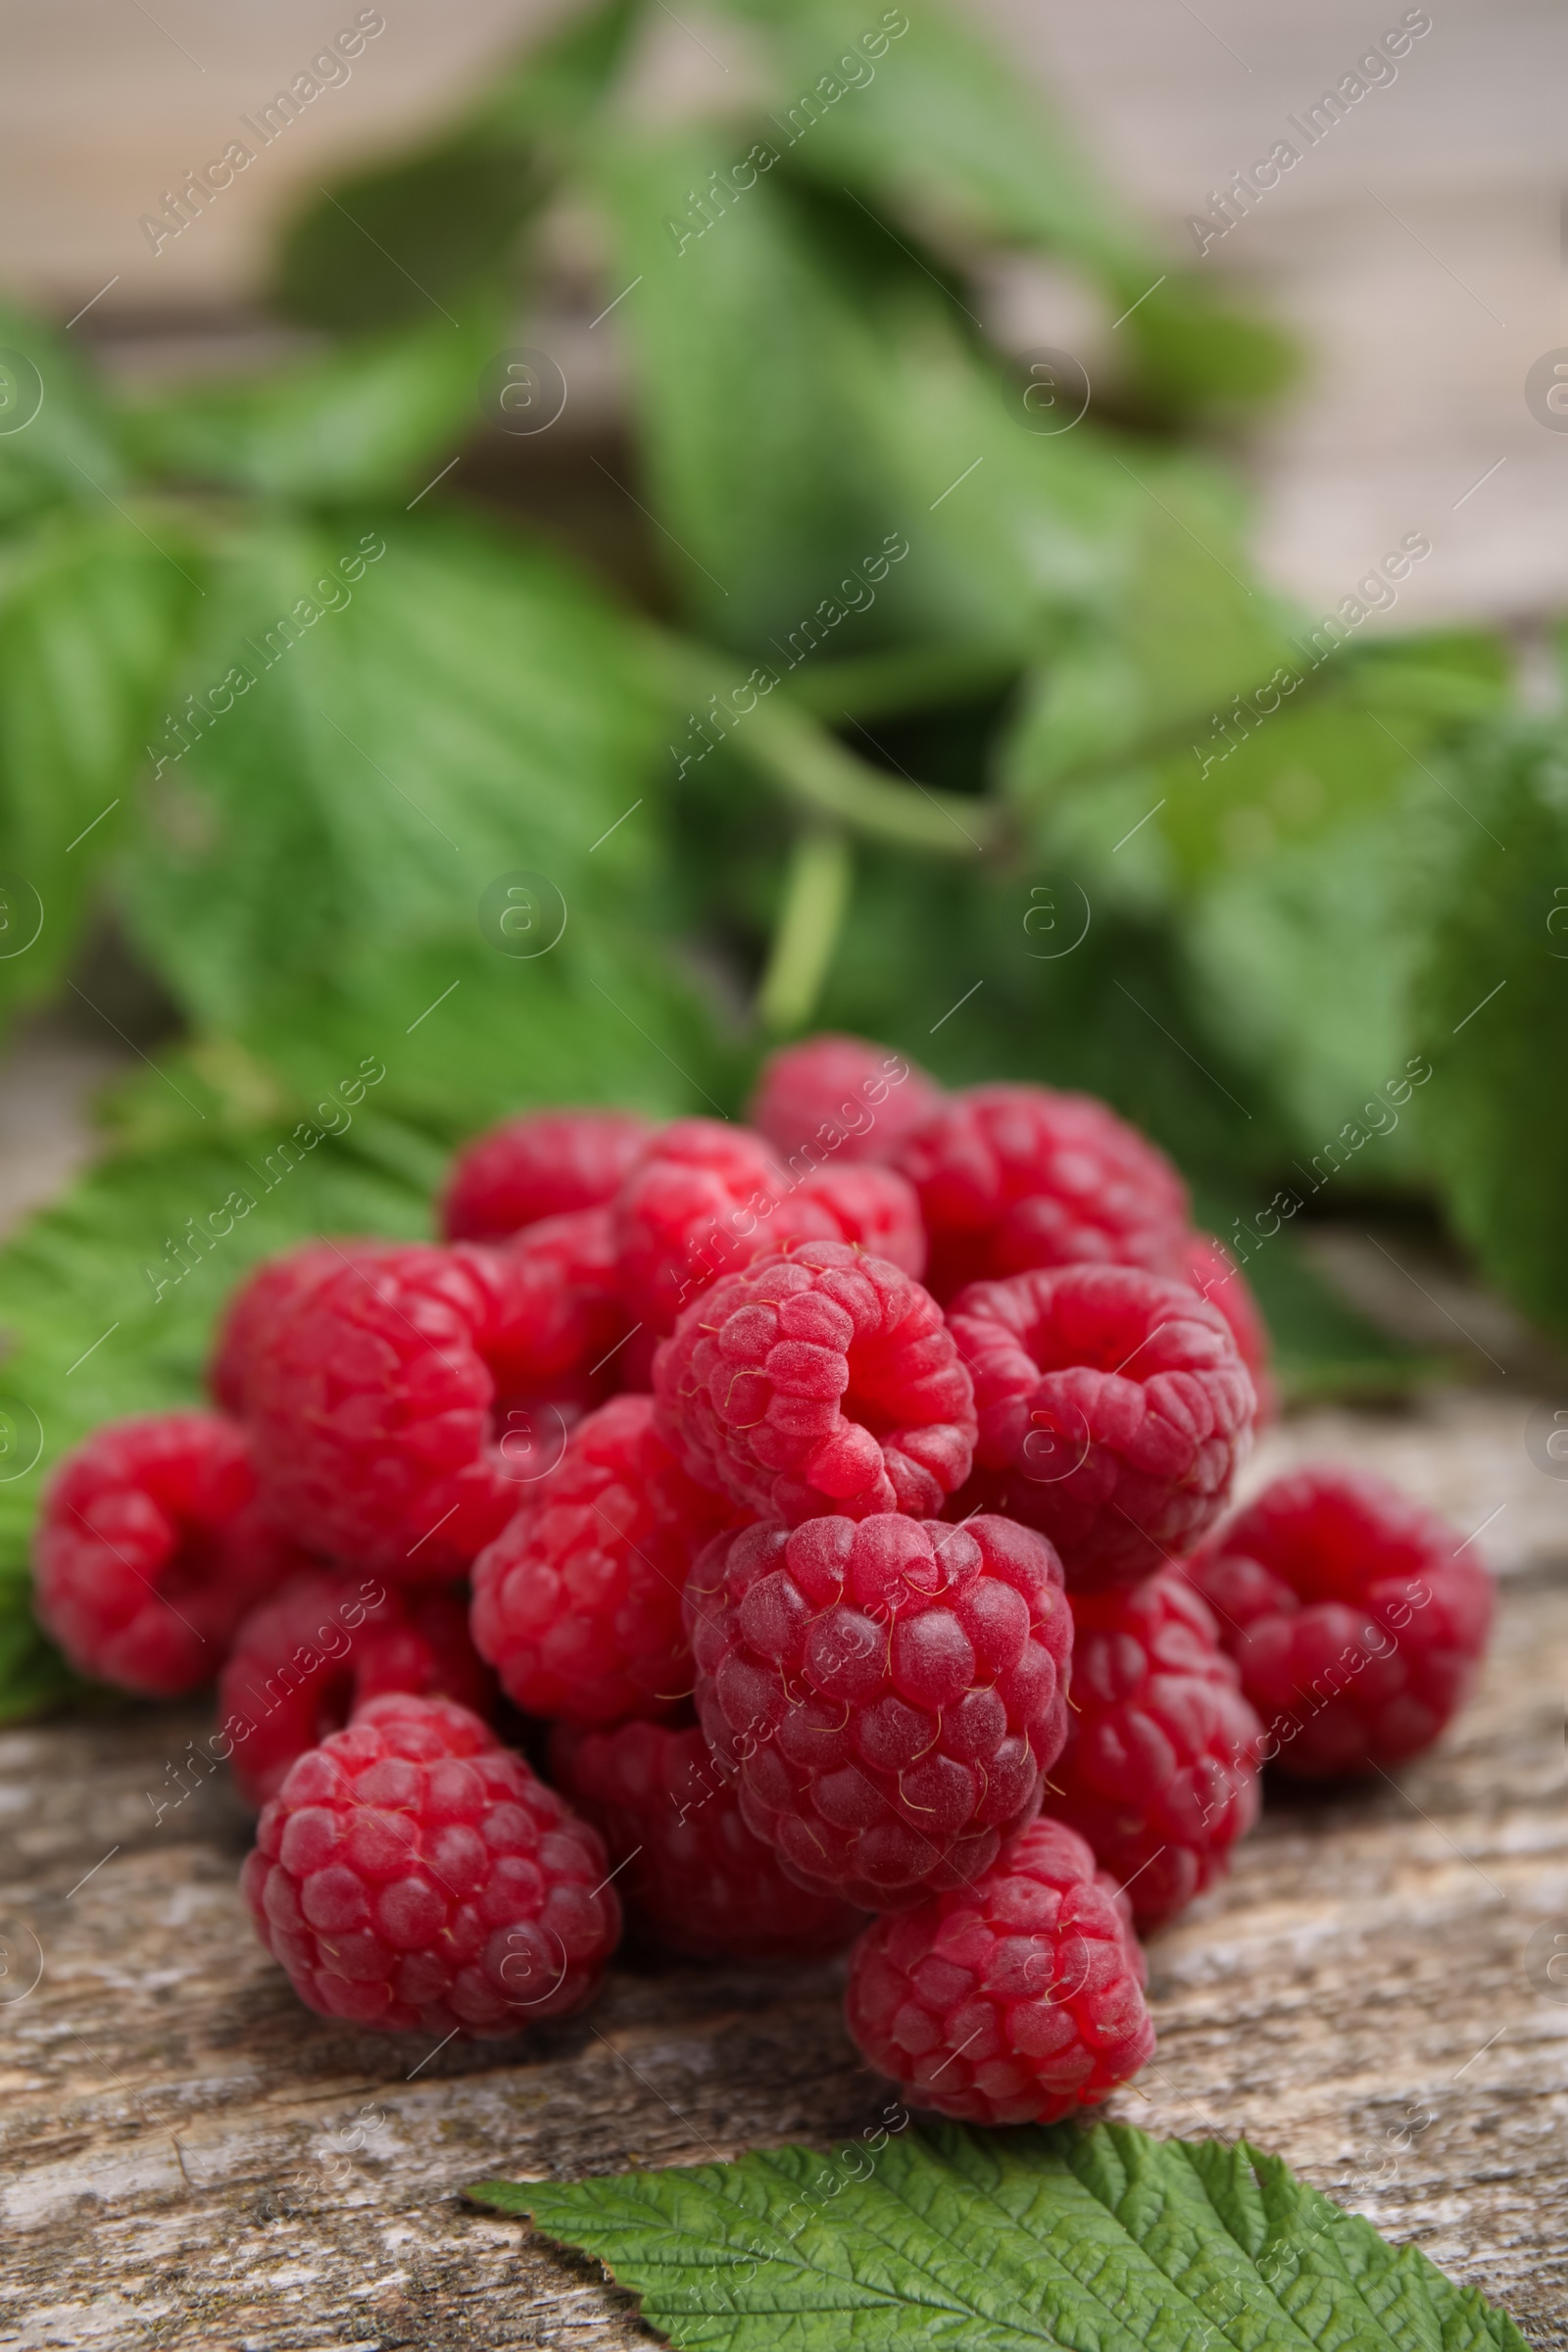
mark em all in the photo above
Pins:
pixel 696 1880
pixel 708 1199
pixel 1114 1409
pixel 841 1096
pixel 544 1164
pixel 1015 1177
pixel 1357 1617
pixel 1013 2001
pixel 263 1299
pixel 1213 1273
pixel 148 1551
pixel 1161 1767
pixel 890 1690
pixel 578 1603
pixel 413 1874
pixel 304 1660
pixel 817 1382
pixel 399 1411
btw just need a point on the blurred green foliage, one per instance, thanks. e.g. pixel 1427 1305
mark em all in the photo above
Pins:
pixel 986 740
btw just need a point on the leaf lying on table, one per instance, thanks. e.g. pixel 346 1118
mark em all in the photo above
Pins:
pixel 363 419
pixel 841 465
pixel 1101 2239
pixel 61 444
pixel 397 239
pixel 88 1335
pixel 92 613
pixel 926 116
pixel 388 720
pixel 1491 1007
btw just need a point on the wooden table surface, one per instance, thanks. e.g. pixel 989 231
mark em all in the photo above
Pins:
pixel 189 2159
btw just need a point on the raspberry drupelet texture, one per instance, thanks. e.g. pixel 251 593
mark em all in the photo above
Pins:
pixel 565 1305
pixel 1015 1177
pixel 1358 1618
pixel 546 1164
pixel 412 1874
pixel 265 1299
pixel 694 1879
pixel 1013 2001
pixel 821 1381
pixel 1114 1409
pixel 149 1551
pixel 890 1691
pixel 578 1603
pixel 399 1411
pixel 305 1659
pixel 1161 1770
pixel 1213 1272
pixel 708 1199
pixel 843 1096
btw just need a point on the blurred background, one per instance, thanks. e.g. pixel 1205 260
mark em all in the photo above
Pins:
pixel 1202 746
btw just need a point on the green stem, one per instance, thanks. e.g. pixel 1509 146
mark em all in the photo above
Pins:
pixel 816 896
pixel 783 742
pixel 924 678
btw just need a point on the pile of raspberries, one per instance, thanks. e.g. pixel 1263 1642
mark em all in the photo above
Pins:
pixel 831 1511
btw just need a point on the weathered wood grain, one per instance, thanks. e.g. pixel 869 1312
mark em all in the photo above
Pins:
pixel 189 2159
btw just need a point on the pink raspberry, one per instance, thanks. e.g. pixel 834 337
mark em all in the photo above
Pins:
pixel 545 1164
pixel 695 1879
pixel 399 1409
pixel 304 1660
pixel 1213 1272
pixel 413 1874
pixel 148 1551
pixel 578 1603
pixel 1114 1409
pixel 817 1382
pixel 1357 1617
pixel 1161 1767
pixel 708 1199
pixel 841 1096
pixel 890 1691
pixel 1013 2001
pixel 1015 1177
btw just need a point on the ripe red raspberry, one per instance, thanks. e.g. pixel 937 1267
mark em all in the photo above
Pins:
pixel 1015 1177
pixel 1159 1772
pixel 1013 2001
pixel 1114 1409
pixel 568 1315
pixel 707 1200
pixel 263 1299
pixel 696 1880
pixel 578 1603
pixel 399 1411
pixel 890 1690
pixel 821 1381
pixel 841 1095
pixel 1357 1617
pixel 148 1551
pixel 413 1874
pixel 1213 1273
pixel 304 1660
pixel 544 1164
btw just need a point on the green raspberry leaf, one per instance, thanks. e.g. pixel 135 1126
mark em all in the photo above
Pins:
pixel 1102 2239
pixel 420 228
pixel 95 606
pixel 1491 994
